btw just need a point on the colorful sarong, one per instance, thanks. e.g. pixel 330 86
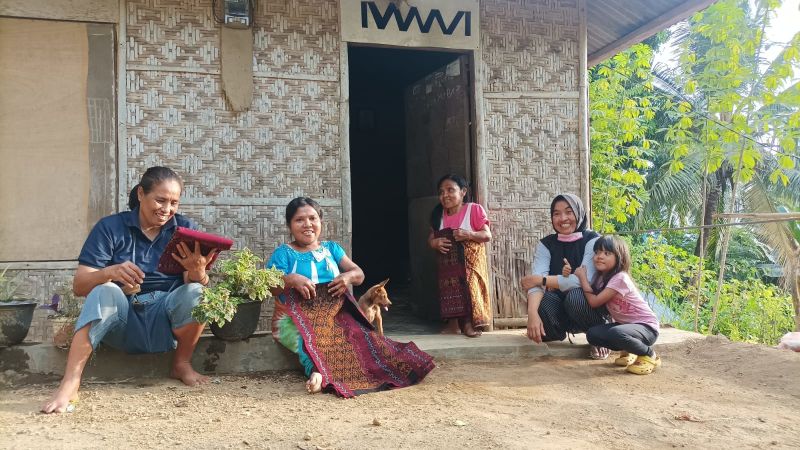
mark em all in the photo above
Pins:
pixel 463 278
pixel 351 357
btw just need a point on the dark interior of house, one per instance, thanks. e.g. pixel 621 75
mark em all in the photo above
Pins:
pixel 378 78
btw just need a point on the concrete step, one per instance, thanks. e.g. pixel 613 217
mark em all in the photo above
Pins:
pixel 261 354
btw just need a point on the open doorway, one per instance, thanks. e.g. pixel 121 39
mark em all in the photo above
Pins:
pixel 410 124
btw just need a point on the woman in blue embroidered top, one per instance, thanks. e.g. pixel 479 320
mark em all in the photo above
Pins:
pixel 117 269
pixel 317 317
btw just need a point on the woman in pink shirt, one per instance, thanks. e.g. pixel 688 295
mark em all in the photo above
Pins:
pixel 459 232
pixel 635 327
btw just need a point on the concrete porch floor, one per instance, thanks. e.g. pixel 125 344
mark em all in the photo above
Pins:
pixel 261 354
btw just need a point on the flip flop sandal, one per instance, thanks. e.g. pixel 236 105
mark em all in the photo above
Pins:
pixel 644 365
pixel 599 353
pixel 71 406
pixel 625 359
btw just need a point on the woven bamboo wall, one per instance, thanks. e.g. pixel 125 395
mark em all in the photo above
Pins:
pixel 530 80
pixel 240 169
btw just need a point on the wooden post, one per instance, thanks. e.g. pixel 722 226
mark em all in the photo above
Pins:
pixel 122 107
pixel 583 112
pixel 344 147
pixel 481 177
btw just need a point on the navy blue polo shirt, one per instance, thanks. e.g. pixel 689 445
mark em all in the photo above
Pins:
pixel 118 238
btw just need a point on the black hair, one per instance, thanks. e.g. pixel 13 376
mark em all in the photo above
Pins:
pixel 438 210
pixel 619 248
pixel 299 202
pixel 151 178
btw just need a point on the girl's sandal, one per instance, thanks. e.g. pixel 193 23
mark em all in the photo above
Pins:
pixel 598 353
pixel 644 365
pixel 625 359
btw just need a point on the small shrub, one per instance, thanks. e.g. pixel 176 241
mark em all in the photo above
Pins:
pixel 239 279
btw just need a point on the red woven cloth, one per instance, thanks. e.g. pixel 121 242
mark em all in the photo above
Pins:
pixel 351 357
pixel 454 298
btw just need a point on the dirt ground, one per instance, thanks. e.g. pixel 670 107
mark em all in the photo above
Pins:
pixel 708 394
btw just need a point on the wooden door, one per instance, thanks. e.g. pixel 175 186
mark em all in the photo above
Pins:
pixel 437 111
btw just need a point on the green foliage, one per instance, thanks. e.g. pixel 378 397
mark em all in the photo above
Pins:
pixel 622 107
pixel 69 305
pixel 241 279
pixel 665 271
pixel 750 309
pixel 752 101
pixel 9 286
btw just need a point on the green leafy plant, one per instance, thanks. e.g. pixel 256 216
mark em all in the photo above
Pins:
pixel 67 305
pixel 9 286
pixel 239 279
pixel 750 310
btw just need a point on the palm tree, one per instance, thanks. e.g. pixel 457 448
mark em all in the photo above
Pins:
pixel 742 104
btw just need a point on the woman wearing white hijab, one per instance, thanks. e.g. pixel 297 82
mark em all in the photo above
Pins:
pixel 556 302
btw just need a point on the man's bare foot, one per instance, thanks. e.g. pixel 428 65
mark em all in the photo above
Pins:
pixel 60 401
pixel 314 383
pixel 451 327
pixel 185 373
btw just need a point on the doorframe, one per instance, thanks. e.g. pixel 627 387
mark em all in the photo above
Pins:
pixel 478 149
pixel 478 167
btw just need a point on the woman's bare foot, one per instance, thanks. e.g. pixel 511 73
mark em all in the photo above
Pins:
pixel 185 373
pixel 451 327
pixel 469 330
pixel 67 392
pixel 314 383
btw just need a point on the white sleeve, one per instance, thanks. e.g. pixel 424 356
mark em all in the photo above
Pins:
pixel 541 264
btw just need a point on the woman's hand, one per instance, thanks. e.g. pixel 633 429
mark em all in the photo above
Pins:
pixel 580 272
pixel 530 281
pixel 463 235
pixel 535 330
pixel 567 269
pixel 300 283
pixel 128 274
pixel 339 285
pixel 194 262
pixel 441 245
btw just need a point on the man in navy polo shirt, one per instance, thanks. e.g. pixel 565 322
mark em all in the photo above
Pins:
pixel 129 304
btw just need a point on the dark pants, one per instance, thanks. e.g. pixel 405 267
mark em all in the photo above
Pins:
pixel 635 338
pixel 568 312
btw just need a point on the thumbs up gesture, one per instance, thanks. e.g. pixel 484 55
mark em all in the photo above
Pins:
pixel 567 270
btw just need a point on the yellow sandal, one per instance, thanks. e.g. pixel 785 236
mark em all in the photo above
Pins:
pixel 625 359
pixel 644 365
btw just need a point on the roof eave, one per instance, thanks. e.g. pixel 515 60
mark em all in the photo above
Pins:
pixel 650 28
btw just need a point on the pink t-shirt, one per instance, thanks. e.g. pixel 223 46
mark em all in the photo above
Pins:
pixel 628 306
pixel 477 218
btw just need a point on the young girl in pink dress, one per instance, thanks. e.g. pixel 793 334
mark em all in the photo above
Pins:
pixel 635 326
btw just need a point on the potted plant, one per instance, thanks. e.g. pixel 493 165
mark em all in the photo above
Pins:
pixel 231 305
pixel 66 308
pixel 16 312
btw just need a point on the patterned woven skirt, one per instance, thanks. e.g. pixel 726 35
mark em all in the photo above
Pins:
pixel 344 348
pixel 463 278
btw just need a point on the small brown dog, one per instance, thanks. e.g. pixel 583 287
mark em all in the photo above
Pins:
pixel 371 303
